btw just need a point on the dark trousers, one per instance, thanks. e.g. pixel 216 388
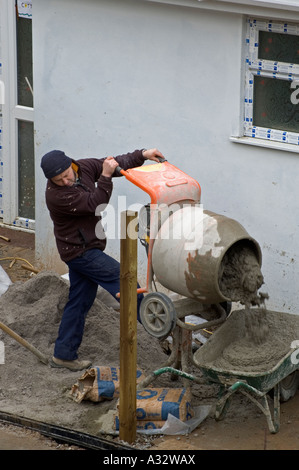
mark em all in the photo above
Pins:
pixel 86 272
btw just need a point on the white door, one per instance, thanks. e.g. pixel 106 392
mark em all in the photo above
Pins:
pixel 17 146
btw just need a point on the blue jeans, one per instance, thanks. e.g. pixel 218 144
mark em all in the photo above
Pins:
pixel 86 272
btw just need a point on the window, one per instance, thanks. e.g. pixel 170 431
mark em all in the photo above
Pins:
pixel 17 192
pixel 26 205
pixel 271 80
pixel 24 61
pixel 26 183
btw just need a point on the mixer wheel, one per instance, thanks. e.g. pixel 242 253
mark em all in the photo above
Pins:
pixel 158 315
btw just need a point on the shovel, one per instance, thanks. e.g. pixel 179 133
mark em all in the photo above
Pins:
pixel 25 343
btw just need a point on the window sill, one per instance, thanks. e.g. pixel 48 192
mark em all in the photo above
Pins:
pixel 266 143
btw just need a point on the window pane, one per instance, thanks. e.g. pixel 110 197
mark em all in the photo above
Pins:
pixel 279 47
pixel 24 58
pixel 26 170
pixel 272 106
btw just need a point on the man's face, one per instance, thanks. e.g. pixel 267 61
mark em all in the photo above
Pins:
pixel 66 178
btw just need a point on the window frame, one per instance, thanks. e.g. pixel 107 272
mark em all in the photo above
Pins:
pixel 269 69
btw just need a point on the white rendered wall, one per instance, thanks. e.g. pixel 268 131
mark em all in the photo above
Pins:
pixel 112 76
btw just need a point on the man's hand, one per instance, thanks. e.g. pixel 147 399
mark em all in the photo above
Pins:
pixel 109 166
pixel 152 154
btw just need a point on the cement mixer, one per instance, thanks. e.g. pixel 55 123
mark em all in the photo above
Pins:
pixel 190 251
pixel 208 261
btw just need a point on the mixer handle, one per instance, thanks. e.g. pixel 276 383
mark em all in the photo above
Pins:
pixel 118 171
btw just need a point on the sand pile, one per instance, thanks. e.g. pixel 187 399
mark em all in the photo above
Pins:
pixel 27 387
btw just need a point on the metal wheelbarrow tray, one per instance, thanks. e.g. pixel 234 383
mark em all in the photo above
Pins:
pixel 259 374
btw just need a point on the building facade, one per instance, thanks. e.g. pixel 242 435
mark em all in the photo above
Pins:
pixel 213 84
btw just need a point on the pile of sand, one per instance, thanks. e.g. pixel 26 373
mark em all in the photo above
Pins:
pixel 28 387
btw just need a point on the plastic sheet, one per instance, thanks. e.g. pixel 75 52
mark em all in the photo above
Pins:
pixel 5 281
pixel 174 426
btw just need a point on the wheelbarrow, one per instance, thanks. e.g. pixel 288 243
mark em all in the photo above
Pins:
pixel 280 380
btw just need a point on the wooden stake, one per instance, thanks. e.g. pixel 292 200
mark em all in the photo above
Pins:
pixel 128 327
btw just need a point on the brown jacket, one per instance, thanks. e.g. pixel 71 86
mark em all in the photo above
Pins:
pixel 72 208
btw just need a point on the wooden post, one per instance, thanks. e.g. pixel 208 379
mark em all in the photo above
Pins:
pixel 128 327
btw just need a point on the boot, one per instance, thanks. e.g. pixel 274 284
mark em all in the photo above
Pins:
pixel 74 365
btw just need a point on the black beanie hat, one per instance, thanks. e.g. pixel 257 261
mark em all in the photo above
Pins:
pixel 55 162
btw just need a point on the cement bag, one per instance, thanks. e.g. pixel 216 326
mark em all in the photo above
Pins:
pixel 98 384
pixel 154 404
pixel 142 425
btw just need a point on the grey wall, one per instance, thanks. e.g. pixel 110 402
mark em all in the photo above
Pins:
pixel 112 76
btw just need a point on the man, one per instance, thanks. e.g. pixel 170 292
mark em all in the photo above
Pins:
pixel 75 188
